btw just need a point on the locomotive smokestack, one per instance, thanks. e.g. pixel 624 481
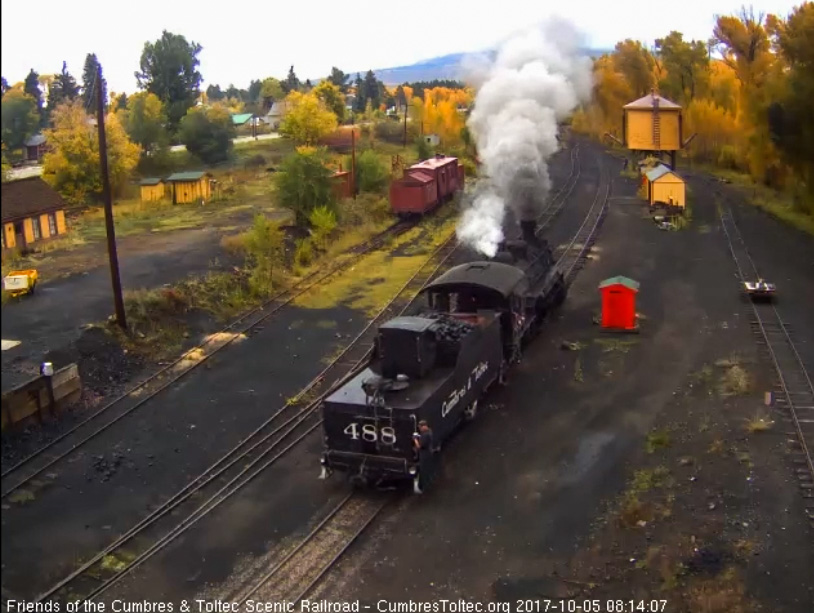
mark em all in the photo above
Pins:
pixel 538 78
pixel 527 227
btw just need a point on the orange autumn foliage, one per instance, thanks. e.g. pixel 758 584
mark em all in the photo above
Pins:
pixel 438 112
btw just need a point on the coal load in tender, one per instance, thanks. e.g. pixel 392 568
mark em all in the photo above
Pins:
pixel 448 332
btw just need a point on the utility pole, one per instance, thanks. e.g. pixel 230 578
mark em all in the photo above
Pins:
pixel 111 230
pixel 405 121
pixel 353 160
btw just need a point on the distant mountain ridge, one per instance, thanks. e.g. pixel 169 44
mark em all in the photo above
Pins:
pixel 441 67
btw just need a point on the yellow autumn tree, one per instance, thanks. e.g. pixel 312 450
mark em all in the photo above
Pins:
pixel 234 105
pixel 307 119
pixel 332 96
pixel 749 110
pixel 717 132
pixel 438 112
pixel 72 165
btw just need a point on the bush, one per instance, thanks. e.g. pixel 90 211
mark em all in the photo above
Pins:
pixel 323 221
pixel 303 252
pixel 234 244
pixel 208 133
pixel 264 245
pixel 470 168
pixel 366 208
pixel 728 157
pixel 371 174
pixel 304 183
pixel 255 161
pixel 423 149
pixel 393 132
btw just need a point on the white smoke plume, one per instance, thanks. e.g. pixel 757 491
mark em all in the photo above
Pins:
pixel 537 78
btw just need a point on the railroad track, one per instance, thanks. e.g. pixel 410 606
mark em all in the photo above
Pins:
pixel 793 387
pixel 574 255
pixel 558 201
pixel 287 427
pixel 301 569
pixel 69 442
pixel 293 577
pixel 47 456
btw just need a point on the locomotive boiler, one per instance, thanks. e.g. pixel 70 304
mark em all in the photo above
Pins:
pixel 435 365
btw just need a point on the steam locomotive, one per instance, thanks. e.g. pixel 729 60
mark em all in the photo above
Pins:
pixel 472 323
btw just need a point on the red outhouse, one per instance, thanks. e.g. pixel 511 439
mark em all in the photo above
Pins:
pixel 619 303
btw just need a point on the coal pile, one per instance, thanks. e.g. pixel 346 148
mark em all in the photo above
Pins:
pixel 449 333
pixel 707 561
pixel 449 329
pixel 103 363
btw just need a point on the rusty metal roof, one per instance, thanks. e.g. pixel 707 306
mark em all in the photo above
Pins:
pixel 418 176
pixel 435 162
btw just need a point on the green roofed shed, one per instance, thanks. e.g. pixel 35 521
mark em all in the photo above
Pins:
pixel 194 175
pixel 619 303
pixel 620 280
pixel 241 118
pixel 190 187
pixel 152 189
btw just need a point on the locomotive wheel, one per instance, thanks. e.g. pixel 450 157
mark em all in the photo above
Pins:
pixel 471 411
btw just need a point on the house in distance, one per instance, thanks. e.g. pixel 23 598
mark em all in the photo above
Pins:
pixel 32 212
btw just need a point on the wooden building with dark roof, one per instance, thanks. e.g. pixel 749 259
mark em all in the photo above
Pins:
pixel 32 211
pixel 191 186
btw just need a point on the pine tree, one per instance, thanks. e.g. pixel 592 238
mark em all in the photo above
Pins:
pixel 291 83
pixel 89 75
pixel 32 88
pixel 3 86
pixel 63 89
pixel 372 90
pixel 359 102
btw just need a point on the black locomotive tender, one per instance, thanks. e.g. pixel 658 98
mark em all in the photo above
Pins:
pixel 474 322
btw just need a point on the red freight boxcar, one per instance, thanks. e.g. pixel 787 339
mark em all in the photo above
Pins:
pixel 415 193
pixel 426 185
pixel 445 171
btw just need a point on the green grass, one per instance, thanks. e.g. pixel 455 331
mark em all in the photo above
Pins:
pixel 272 150
pixel 247 194
pixel 646 479
pixel 777 203
pixel 657 440
pixel 354 289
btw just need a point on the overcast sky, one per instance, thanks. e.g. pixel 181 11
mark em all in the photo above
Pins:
pixel 247 39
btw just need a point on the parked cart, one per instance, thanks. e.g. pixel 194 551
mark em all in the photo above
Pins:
pixel 759 290
pixel 19 282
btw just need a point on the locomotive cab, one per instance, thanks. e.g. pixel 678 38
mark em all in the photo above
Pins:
pixel 486 286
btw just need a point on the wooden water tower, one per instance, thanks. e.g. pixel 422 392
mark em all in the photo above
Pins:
pixel 652 125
